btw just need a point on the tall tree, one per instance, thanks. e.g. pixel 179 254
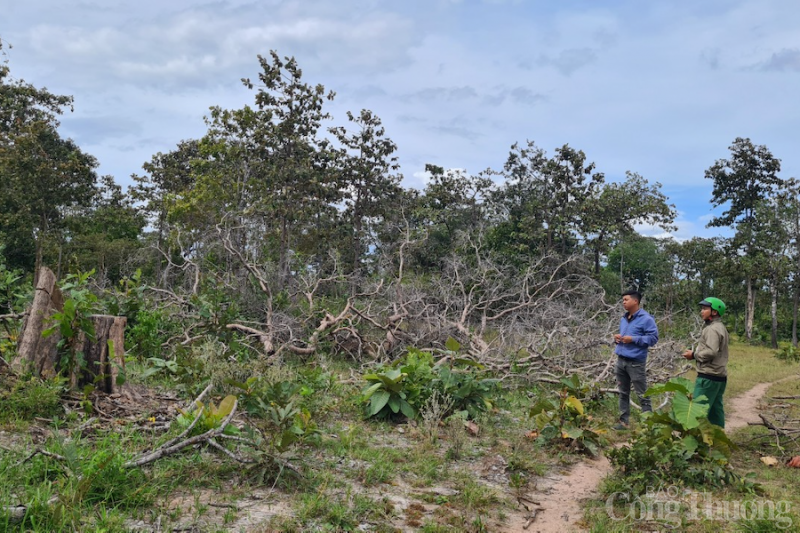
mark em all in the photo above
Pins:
pixel 616 208
pixel 741 182
pixel 106 235
pixel 366 164
pixel 789 200
pixel 543 200
pixel 452 203
pixel 42 175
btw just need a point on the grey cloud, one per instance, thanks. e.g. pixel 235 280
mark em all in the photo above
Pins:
pixel 410 119
pixel 457 131
pixel 605 37
pixel 200 46
pixel 97 130
pixel 518 95
pixel 447 94
pixel 568 61
pixel 787 59
pixel 523 95
pixel 711 58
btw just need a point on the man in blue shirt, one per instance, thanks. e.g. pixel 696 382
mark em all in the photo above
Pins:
pixel 637 333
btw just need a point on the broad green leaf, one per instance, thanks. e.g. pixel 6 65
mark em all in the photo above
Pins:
pixel 371 390
pixel 452 345
pixel 407 410
pixel 542 419
pixel 690 444
pixel 591 447
pixel 394 404
pixel 569 431
pixel 681 385
pixel 468 362
pixel 542 405
pixel 688 412
pixel 572 382
pixel 225 406
pixel 377 402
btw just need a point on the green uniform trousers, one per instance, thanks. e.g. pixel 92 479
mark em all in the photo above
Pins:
pixel 713 390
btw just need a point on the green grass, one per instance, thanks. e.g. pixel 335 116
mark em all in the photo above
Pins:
pixel 751 365
pixel 352 476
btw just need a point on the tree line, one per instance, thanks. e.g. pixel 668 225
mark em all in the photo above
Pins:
pixel 273 192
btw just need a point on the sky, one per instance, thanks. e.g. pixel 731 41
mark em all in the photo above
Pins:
pixel 658 88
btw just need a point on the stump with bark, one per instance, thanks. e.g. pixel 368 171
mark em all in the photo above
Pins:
pixel 104 354
pixel 36 352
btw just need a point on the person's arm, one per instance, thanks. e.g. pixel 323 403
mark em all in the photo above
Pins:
pixel 649 336
pixel 708 347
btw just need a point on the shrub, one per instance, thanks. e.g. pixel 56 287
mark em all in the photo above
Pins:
pixel 563 420
pixel 29 397
pixel 404 387
pixel 677 446
pixel 789 354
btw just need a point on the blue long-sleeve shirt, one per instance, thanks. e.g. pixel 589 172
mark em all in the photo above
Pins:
pixel 642 328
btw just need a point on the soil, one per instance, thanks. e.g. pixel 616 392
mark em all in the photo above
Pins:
pixel 744 408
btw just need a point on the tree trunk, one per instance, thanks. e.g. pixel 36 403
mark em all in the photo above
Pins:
pixel 104 355
pixel 795 299
pixel 749 311
pixel 36 352
pixel 773 289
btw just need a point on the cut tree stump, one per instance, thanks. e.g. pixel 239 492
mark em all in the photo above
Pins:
pixel 39 354
pixel 104 355
pixel 36 352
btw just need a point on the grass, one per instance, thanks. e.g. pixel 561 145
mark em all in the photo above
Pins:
pixel 376 475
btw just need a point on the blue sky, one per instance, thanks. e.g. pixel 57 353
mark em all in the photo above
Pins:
pixel 659 88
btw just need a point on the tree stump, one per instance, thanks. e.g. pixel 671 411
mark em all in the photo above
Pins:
pixel 104 356
pixel 38 353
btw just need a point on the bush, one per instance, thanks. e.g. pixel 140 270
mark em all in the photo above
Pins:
pixel 678 446
pixel 29 397
pixel 404 387
pixel 789 354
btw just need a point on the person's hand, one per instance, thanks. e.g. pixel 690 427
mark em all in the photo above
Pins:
pixel 794 462
pixel 688 354
pixel 617 338
pixel 627 339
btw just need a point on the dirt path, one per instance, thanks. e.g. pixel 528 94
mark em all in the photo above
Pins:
pixel 743 409
pixel 564 495
pixel 562 500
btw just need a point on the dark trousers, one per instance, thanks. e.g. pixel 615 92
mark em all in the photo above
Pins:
pixel 714 391
pixel 630 372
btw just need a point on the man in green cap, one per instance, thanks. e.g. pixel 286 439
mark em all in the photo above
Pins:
pixel 711 355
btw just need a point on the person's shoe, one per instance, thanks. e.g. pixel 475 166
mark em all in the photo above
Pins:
pixel 621 426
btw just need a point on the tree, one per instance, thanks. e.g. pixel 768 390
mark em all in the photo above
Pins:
pixel 698 260
pixel 639 262
pixel 771 246
pixel 105 236
pixel 616 208
pixel 365 165
pixel 543 201
pixel 451 203
pixel 789 200
pixel 294 185
pixel 741 182
pixel 42 176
